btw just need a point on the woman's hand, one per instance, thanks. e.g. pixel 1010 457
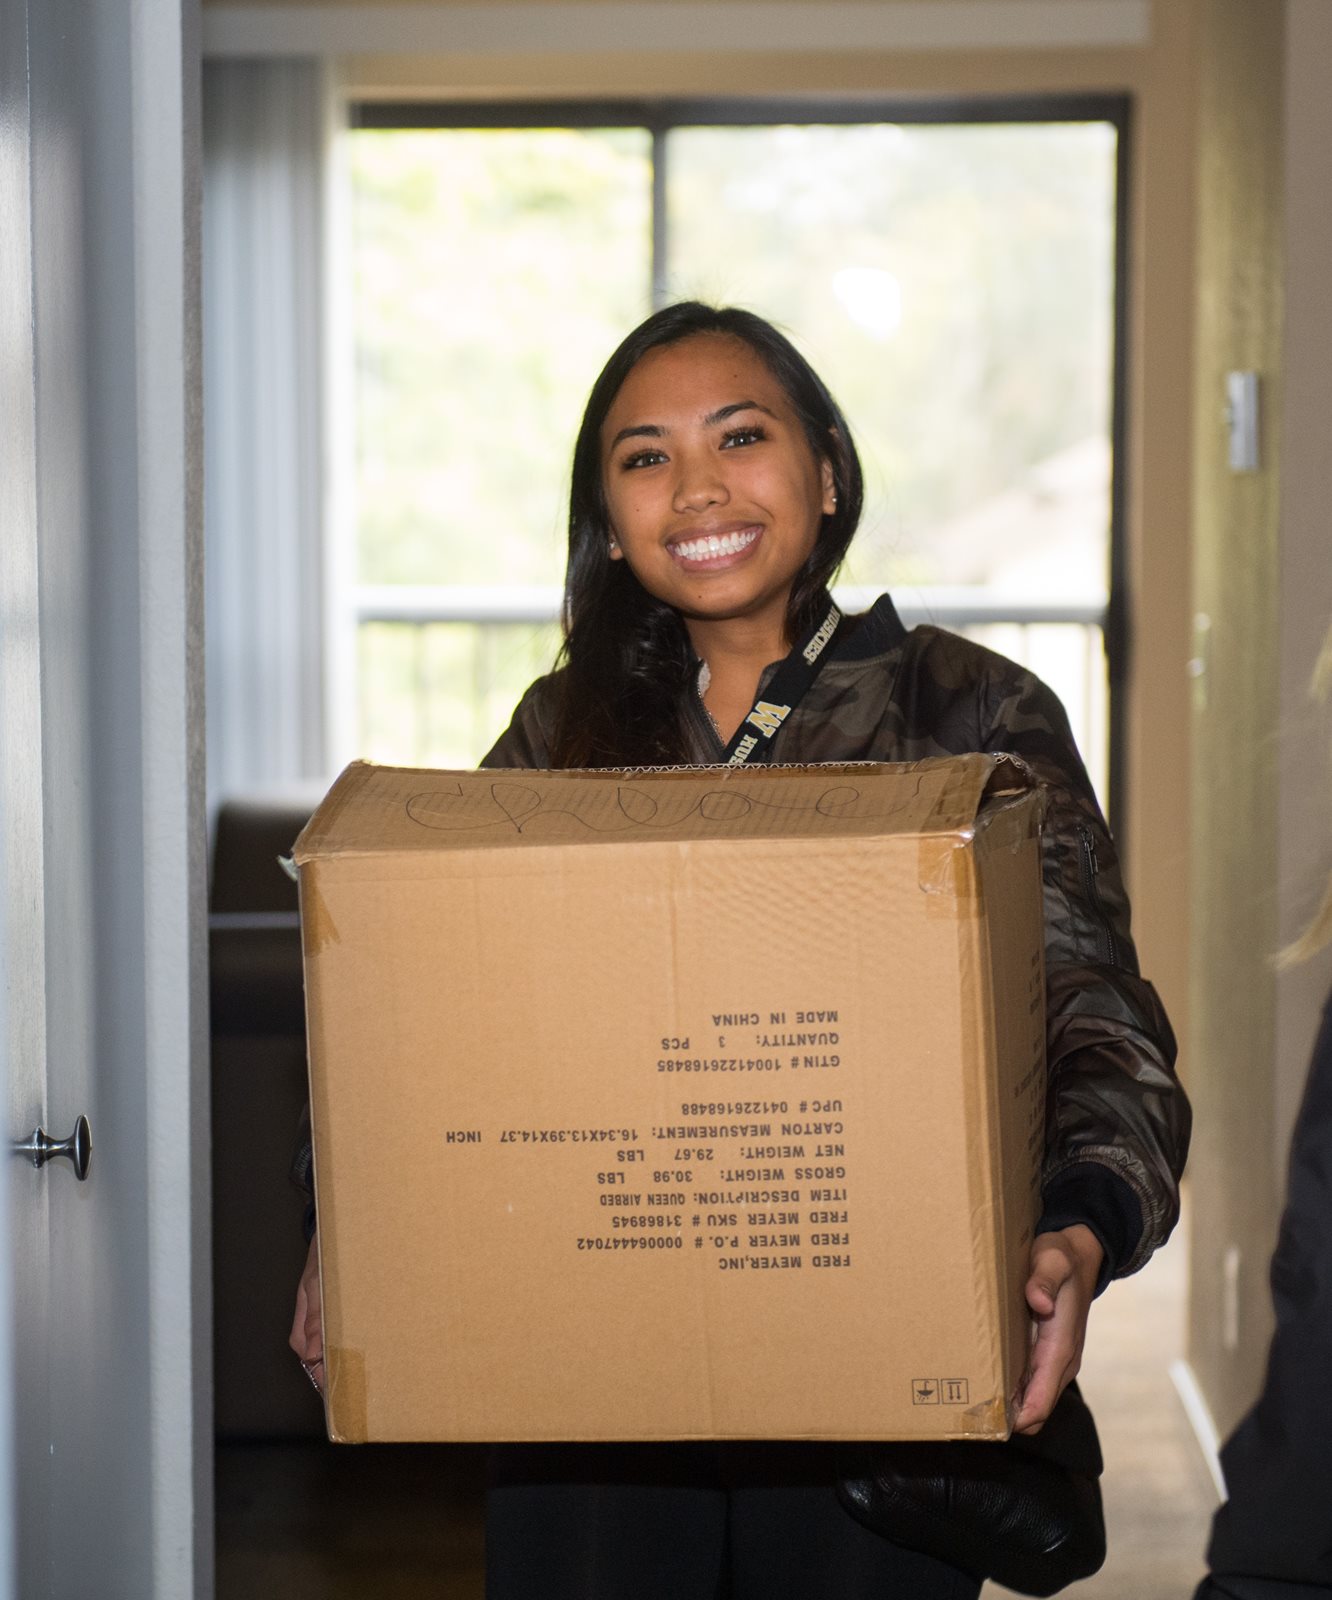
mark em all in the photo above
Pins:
pixel 307 1326
pixel 1064 1269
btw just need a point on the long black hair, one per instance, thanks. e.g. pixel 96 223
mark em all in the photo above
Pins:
pixel 627 662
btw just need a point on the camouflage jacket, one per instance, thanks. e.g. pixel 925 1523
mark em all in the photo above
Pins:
pixel 1117 1122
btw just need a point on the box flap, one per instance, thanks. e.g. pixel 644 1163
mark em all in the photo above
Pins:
pixel 374 810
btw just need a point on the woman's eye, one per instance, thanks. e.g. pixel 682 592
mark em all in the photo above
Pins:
pixel 742 436
pixel 641 458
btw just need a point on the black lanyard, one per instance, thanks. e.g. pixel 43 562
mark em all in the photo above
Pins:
pixel 751 742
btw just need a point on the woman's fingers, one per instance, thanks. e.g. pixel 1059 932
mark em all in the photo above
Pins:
pixel 307 1323
pixel 1064 1268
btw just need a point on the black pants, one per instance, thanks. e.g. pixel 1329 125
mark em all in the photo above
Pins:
pixel 689 1522
pixel 1272 1540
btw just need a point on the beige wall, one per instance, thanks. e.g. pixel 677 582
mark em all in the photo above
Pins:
pixel 1161 290
pixel 1262 843
pixel 1236 566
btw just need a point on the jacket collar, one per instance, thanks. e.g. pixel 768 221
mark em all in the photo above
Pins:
pixel 862 636
pixel 872 633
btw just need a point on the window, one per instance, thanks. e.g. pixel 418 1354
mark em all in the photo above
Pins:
pixel 951 273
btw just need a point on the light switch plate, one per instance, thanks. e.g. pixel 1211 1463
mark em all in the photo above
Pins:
pixel 1242 420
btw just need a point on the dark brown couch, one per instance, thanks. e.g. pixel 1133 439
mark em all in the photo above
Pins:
pixel 258 1090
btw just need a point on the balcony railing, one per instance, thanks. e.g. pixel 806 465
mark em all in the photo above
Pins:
pixel 441 666
pixel 958 607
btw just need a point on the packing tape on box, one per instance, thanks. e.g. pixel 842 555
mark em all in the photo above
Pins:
pixel 318 929
pixel 961 788
pixel 348 1412
pixel 983 1421
pixel 946 872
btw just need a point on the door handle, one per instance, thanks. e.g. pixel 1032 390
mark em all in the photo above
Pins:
pixel 39 1147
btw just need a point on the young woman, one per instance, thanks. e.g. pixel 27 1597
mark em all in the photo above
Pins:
pixel 715 491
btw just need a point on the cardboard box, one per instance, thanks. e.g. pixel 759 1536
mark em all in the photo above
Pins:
pixel 675 1104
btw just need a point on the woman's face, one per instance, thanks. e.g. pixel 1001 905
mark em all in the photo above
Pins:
pixel 714 494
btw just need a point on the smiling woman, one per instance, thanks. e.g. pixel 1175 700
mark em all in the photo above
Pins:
pixel 721 511
pixel 715 490
pixel 714 493
pixel 717 506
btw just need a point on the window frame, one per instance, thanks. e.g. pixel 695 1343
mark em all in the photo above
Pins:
pixel 659 115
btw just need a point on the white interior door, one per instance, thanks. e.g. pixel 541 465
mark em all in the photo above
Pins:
pixel 22 963
pixel 101 861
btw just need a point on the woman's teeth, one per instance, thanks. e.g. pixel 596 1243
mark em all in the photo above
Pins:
pixel 713 544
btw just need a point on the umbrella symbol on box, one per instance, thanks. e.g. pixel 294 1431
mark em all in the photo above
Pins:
pixel 924 1392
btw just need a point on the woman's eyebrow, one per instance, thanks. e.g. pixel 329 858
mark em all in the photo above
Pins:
pixel 641 430
pixel 721 414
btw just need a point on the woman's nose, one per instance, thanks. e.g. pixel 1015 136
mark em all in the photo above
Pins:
pixel 699 484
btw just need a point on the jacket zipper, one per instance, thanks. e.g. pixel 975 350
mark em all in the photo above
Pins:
pixel 1091 869
pixel 701 717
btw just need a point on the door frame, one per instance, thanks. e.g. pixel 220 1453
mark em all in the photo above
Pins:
pixel 102 112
